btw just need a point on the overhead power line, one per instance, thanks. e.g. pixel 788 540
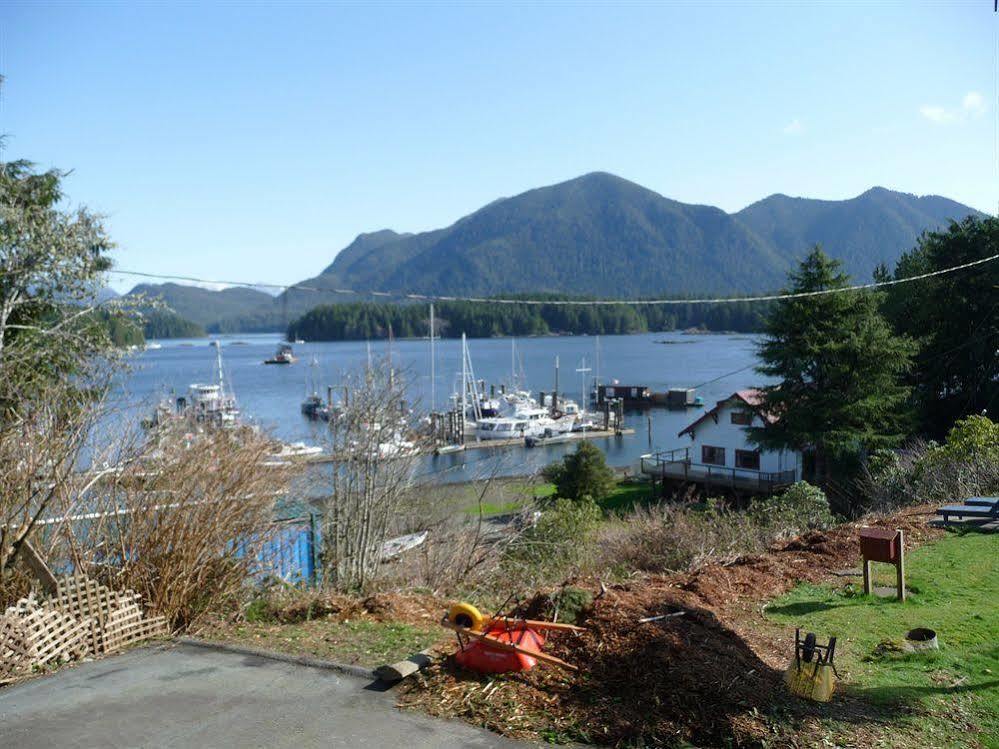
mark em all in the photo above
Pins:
pixel 557 302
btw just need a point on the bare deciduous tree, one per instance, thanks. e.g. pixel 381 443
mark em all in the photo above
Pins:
pixel 375 452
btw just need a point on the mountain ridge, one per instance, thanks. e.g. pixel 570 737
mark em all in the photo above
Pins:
pixel 600 235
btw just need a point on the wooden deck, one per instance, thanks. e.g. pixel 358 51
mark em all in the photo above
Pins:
pixel 676 465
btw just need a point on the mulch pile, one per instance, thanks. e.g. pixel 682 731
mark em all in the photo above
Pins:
pixel 701 677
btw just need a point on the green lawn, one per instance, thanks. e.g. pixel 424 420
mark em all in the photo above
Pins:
pixel 953 589
pixel 361 641
pixel 625 497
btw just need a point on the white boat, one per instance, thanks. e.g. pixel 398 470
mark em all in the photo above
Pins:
pixel 210 404
pixel 397 448
pixel 153 346
pixel 396 546
pixel 504 428
pixel 297 450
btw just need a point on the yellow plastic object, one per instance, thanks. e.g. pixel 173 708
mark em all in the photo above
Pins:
pixel 805 680
pixel 466 615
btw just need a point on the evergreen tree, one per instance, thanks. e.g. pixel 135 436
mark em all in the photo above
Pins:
pixel 955 318
pixel 840 367
pixel 582 473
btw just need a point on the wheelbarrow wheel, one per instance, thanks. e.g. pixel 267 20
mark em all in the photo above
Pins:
pixel 808 648
pixel 466 615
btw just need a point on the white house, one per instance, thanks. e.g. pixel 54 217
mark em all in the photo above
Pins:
pixel 720 452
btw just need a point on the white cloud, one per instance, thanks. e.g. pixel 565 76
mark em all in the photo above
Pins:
pixel 973 102
pixel 794 127
pixel 973 105
pixel 936 114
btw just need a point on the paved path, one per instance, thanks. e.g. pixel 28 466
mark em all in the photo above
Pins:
pixel 185 696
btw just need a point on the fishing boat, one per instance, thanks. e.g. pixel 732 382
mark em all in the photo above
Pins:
pixel 283 355
pixel 210 403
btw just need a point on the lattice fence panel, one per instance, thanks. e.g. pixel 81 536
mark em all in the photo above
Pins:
pixel 82 617
pixel 127 624
pixel 17 652
pixel 53 634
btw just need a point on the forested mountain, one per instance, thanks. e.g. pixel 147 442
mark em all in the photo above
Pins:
pixel 206 307
pixel 874 227
pixel 165 324
pixel 360 321
pixel 597 235
pixel 602 235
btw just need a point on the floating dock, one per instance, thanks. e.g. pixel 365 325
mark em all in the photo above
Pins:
pixel 589 434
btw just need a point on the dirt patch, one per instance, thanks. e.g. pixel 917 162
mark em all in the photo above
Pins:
pixel 813 557
pixel 708 676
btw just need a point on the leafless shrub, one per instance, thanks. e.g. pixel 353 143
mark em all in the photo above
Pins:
pixel 185 527
pixel 375 450
pixel 671 537
pixel 182 523
pixel 40 446
pixel 924 472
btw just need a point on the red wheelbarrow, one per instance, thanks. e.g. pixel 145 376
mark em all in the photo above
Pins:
pixel 500 644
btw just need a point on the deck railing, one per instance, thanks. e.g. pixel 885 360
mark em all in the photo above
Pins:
pixel 678 465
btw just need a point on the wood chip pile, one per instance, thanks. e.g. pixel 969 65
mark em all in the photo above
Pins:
pixel 83 618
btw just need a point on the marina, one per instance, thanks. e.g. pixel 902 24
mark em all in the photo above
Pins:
pixel 273 397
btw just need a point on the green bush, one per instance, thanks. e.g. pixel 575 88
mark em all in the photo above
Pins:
pixel 555 544
pixel 971 440
pixel 582 473
pixel 800 508
pixel 967 464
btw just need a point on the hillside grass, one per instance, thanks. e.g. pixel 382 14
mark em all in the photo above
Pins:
pixel 627 495
pixel 953 588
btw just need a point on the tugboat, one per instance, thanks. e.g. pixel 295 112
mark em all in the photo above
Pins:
pixel 283 355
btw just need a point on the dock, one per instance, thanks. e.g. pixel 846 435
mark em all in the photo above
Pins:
pixel 589 434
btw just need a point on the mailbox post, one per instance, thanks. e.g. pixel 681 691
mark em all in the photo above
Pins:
pixel 880 545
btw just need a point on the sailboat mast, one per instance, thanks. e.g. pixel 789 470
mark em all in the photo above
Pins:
pixel 464 382
pixel 433 371
pixel 218 359
pixel 598 361
pixel 555 394
pixel 513 364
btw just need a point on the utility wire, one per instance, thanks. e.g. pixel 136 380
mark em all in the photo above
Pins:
pixel 562 302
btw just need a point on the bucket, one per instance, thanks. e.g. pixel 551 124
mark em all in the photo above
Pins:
pixel 812 681
pixel 921 638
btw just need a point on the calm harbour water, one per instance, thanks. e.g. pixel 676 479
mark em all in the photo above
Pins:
pixel 271 395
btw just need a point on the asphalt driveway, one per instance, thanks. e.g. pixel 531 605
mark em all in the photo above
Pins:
pixel 186 696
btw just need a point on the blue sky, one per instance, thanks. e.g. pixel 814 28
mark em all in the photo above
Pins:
pixel 254 142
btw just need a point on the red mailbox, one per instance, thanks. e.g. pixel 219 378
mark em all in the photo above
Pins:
pixel 882 545
pixel 879 545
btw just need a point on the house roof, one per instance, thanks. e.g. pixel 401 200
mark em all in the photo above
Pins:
pixel 751 397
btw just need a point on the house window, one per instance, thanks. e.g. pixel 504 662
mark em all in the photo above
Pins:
pixel 748 459
pixel 714 456
pixel 742 418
